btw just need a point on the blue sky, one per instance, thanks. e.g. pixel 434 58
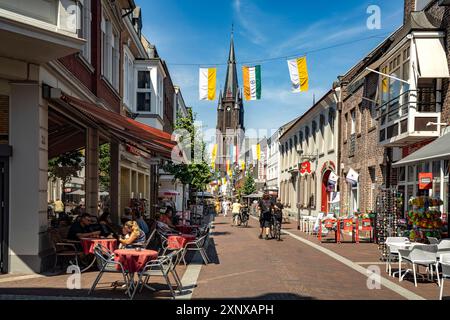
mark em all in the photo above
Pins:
pixel 198 32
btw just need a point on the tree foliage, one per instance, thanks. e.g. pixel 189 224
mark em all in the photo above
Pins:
pixel 104 167
pixel 65 167
pixel 196 172
pixel 249 186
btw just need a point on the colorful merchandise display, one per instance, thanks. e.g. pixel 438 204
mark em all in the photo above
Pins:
pixel 424 219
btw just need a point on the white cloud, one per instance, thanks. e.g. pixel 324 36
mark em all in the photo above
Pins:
pixel 243 12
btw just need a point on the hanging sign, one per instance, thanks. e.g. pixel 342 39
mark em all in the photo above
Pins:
pixel 425 181
pixel 305 168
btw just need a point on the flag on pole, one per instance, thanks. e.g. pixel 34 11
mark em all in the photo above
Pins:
pixel 207 83
pixel 333 178
pixel 252 82
pixel 298 70
pixel 352 177
pixel 243 165
pixel 214 152
pixel 258 151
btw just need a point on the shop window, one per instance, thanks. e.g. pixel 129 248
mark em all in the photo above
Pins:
pixel 437 179
pixel 110 53
pixel 401 174
pixel 412 174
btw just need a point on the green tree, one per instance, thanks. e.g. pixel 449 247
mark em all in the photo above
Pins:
pixel 104 167
pixel 65 167
pixel 249 186
pixel 195 171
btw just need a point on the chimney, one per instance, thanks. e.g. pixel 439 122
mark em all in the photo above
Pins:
pixel 410 6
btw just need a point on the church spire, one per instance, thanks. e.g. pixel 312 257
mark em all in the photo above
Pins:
pixel 231 82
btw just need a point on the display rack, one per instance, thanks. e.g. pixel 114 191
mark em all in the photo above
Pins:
pixel 424 218
pixel 386 218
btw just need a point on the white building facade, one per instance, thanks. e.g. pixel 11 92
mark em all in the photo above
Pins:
pixel 308 156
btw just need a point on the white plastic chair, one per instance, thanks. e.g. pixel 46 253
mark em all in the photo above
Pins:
pixel 443 247
pixel 444 262
pixel 420 255
pixel 392 250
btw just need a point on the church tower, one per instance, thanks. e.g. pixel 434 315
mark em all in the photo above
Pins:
pixel 230 116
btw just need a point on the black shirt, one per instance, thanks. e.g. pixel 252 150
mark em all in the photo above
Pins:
pixel 77 228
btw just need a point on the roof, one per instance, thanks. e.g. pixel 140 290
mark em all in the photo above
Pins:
pixel 437 150
pixel 151 138
pixel 306 113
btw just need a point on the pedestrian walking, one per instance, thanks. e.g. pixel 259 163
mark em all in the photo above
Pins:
pixel 236 211
pixel 226 207
pixel 59 207
pixel 265 219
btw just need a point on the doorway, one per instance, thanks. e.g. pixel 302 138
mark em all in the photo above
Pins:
pixel 4 213
pixel 325 193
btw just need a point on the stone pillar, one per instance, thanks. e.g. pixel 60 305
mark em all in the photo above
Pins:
pixel 92 155
pixel 29 173
pixel 114 189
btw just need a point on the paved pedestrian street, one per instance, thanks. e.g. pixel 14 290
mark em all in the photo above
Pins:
pixel 245 267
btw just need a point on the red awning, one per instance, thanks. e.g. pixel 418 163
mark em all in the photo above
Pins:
pixel 154 140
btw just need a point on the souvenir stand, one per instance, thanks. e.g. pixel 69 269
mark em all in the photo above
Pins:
pixel 424 218
pixel 386 221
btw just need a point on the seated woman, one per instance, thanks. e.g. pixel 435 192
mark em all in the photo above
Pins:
pixel 167 218
pixel 132 236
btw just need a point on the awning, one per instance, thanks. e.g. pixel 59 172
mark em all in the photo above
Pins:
pixel 432 58
pixel 437 150
pixel 152 139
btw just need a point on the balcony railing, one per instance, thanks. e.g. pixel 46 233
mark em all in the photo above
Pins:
pixel 393 116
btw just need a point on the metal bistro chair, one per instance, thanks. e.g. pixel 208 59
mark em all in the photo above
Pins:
pixel 63 248
pixel 106 263
pixel 444 262
pixel 163 266
pixel 198 245
pixel 420 255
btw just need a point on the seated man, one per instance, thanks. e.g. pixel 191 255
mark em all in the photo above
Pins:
pixel 82 229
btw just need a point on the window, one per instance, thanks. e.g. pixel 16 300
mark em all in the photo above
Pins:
pixel 84 19
pixel 437 179
pixel 307 135
pixel 295 141
pixel 160 97
pixel 314 130
pixel 331 124
pixel 110 53
pixel 353 121
pixel 354 198
pixel 128 78
pixel 401 174
pixel 412 174
pixel 144 92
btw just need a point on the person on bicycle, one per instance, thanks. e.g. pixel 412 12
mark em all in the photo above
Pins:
pixel 236 211
pixel 265 219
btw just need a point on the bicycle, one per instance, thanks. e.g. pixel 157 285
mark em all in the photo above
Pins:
pixel 275 228
pixel 242 218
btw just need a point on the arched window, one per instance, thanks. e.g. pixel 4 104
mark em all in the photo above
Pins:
pixel 322 123
pixel 300 136
pixel 314 129
pixel 290 144
pixel 295 140
pixel 307 134
pixel 282 149
pixel 331 118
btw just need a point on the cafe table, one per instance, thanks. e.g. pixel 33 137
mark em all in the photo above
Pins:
pixel 175 242
pixel 134 260
pixel 88 245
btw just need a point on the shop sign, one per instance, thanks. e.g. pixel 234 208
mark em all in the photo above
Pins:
pixel 425 181
pixel 136 151
pixel 305 168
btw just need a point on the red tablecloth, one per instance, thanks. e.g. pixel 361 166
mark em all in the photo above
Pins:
pixel 89 244
pixel 134 260
pixel 179 241
pixel 186 229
